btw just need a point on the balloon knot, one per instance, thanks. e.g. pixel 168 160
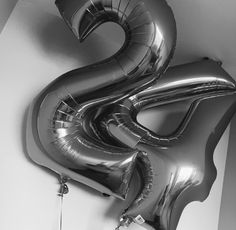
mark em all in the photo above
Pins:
pixel 63 186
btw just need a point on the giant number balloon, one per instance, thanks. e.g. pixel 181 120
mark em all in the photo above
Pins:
pixel 61 117
pixel 175 169
pixel 84 124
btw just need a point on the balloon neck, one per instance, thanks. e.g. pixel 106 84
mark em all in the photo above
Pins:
pixel 63 186
pixel 125 221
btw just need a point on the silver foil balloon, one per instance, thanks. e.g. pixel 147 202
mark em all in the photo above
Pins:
pixel 175 169
pixel 61 118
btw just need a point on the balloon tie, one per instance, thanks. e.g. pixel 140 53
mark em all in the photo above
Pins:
pixel 63 190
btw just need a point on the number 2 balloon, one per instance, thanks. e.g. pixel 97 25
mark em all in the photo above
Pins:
pixel 61 116
pixel 83 125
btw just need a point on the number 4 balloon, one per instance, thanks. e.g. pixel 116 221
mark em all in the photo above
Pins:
pixel 83 125
pixel 178 168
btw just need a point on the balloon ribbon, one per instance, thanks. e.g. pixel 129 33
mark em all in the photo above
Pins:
pixel 63 190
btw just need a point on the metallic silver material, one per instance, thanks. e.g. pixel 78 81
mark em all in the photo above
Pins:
pixel 175 169
pixel 61 118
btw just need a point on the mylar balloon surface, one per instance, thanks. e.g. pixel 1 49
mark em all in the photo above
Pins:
pixel 175 169
pixel 61 118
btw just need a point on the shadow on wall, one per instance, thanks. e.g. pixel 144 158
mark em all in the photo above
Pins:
pixel 228 202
